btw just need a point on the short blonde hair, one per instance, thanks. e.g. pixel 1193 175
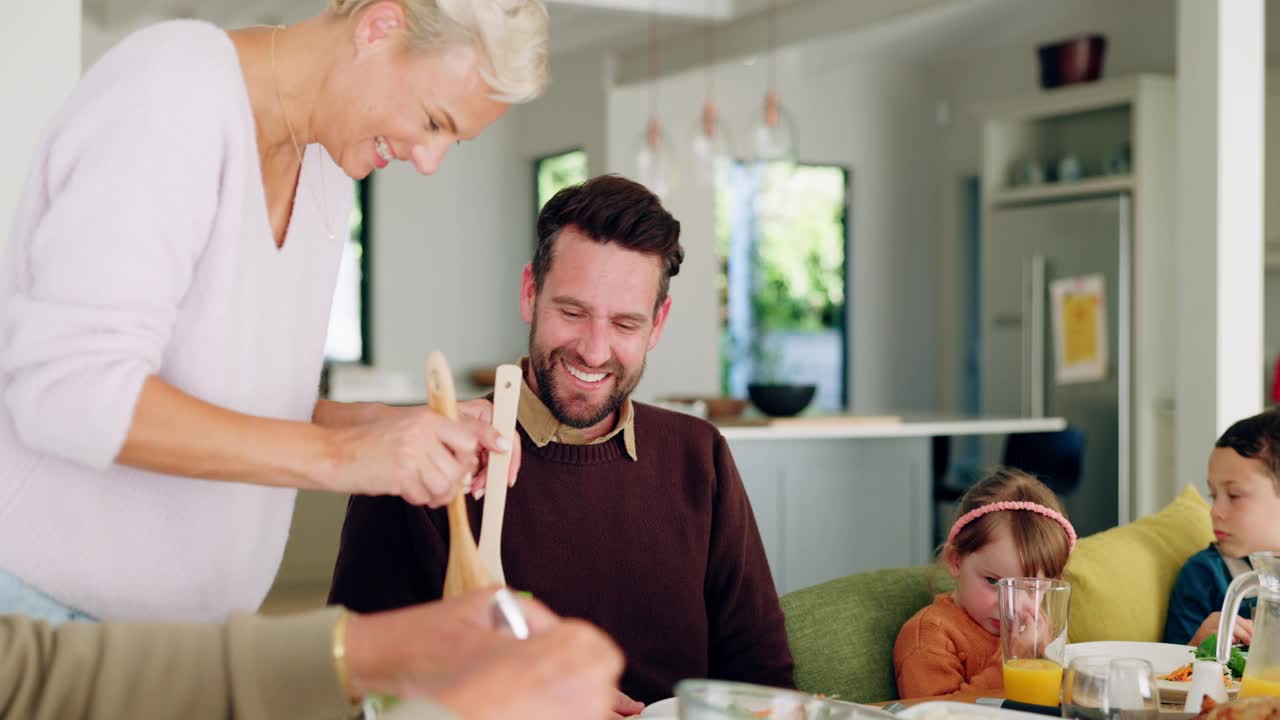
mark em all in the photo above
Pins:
pixel 511 35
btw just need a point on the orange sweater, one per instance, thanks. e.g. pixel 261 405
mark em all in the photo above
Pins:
pixel 941 651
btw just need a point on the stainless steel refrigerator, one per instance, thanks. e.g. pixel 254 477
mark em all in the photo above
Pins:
pixel 1024 250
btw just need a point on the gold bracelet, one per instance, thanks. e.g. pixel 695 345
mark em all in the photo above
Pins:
pixel 340 653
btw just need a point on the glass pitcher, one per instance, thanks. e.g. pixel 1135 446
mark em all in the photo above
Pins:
pixel 1262 671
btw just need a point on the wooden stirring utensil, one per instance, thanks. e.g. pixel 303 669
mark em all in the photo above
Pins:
pixel 506 401
pixel 465 571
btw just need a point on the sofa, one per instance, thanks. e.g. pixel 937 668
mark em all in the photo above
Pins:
pixel 842 631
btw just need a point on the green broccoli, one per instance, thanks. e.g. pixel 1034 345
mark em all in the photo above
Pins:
pixel 1208 650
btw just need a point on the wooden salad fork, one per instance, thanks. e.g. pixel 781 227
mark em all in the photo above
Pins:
pixel 465 571
pixel 506 402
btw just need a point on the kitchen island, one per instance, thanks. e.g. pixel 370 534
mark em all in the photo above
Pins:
pixel 835 496
pixel 830 497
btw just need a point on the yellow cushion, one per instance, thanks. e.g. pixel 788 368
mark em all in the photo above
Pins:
pixel 1121 578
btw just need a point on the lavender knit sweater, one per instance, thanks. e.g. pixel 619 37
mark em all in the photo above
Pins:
pixel 142 247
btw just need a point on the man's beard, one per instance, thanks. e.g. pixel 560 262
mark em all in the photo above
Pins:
pixel 558 399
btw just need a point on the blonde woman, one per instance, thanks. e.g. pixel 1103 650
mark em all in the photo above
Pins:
pixel 167 288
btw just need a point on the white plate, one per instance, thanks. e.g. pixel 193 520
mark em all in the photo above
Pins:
pixel 668 709
pixel 1164 659
pixel 944 710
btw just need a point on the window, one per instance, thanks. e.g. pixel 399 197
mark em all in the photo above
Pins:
pixel 782 234
pixel 554 173
pixel 349 321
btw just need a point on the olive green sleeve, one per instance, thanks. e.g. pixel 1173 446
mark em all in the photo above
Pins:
pixel 251 667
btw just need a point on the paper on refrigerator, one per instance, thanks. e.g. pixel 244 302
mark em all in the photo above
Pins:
pixel 1079 316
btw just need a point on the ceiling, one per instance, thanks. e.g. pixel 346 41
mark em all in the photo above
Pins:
pixel 917 31
pixel 575 24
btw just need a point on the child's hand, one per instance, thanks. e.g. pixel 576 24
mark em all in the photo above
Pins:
pixel 1032 635
pixel 1242 632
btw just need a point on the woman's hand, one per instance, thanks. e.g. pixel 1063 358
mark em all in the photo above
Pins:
pixel 568 673
pixel 361 448
pixel 450 652
pixel 412 452
pixel 482 410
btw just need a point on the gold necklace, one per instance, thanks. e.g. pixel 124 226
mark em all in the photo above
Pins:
pixel 275 79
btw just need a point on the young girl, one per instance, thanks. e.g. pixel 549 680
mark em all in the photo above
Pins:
pixel 1009 525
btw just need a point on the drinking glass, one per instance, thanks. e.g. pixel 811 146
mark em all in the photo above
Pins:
pixel 1033 637
pixel 1107 688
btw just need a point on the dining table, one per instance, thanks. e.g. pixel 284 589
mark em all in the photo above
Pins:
pixel 1168 711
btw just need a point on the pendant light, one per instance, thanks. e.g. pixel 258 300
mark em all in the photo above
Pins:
pixel 773 137
pixel 712 146
pixel 655 163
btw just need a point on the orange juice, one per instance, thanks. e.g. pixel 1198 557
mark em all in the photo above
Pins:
pixel 1263 682
pixel 1033 680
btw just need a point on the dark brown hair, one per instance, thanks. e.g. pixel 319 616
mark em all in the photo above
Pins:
pixel 1041 543
pixel 611 209
pixel 1257 438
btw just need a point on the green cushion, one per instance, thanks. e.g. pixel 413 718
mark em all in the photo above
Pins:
pixel 842 631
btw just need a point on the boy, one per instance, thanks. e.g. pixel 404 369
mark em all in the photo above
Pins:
pixel 1244 484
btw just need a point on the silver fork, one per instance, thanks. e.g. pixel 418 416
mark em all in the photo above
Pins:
pixel 508 615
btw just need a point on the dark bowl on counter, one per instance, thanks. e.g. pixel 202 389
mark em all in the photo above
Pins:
pixel 781 399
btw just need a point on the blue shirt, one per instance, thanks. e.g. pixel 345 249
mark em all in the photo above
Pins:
pixel 1200 589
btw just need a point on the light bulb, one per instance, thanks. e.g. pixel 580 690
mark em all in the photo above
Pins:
pixel 773 137
pixel 712 147
pixel 655 164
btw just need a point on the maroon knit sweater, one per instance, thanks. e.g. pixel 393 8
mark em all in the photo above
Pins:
pixel 662 553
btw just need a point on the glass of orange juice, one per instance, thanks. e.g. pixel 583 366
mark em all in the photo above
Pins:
pixel 1033 637
pixel 1265 681
pixel 1262 672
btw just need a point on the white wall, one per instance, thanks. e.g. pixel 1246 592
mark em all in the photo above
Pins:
pixel 96 40
pixel 447 253
pixel 571 114
pixel 41 62
pixel 1219 222
pixel 851 110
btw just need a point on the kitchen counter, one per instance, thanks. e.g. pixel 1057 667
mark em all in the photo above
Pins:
pixel 835 427
pixel 831 496
pixel 839 495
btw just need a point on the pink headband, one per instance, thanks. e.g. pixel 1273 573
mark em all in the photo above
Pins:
pixel 978 512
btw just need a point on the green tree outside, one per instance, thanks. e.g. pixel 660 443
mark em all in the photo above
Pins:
pixel 558 172
pixel 798 263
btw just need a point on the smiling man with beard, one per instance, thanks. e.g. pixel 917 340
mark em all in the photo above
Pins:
pixel 627 515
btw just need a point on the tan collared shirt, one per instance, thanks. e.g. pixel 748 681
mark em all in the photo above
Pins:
pixel 543 427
